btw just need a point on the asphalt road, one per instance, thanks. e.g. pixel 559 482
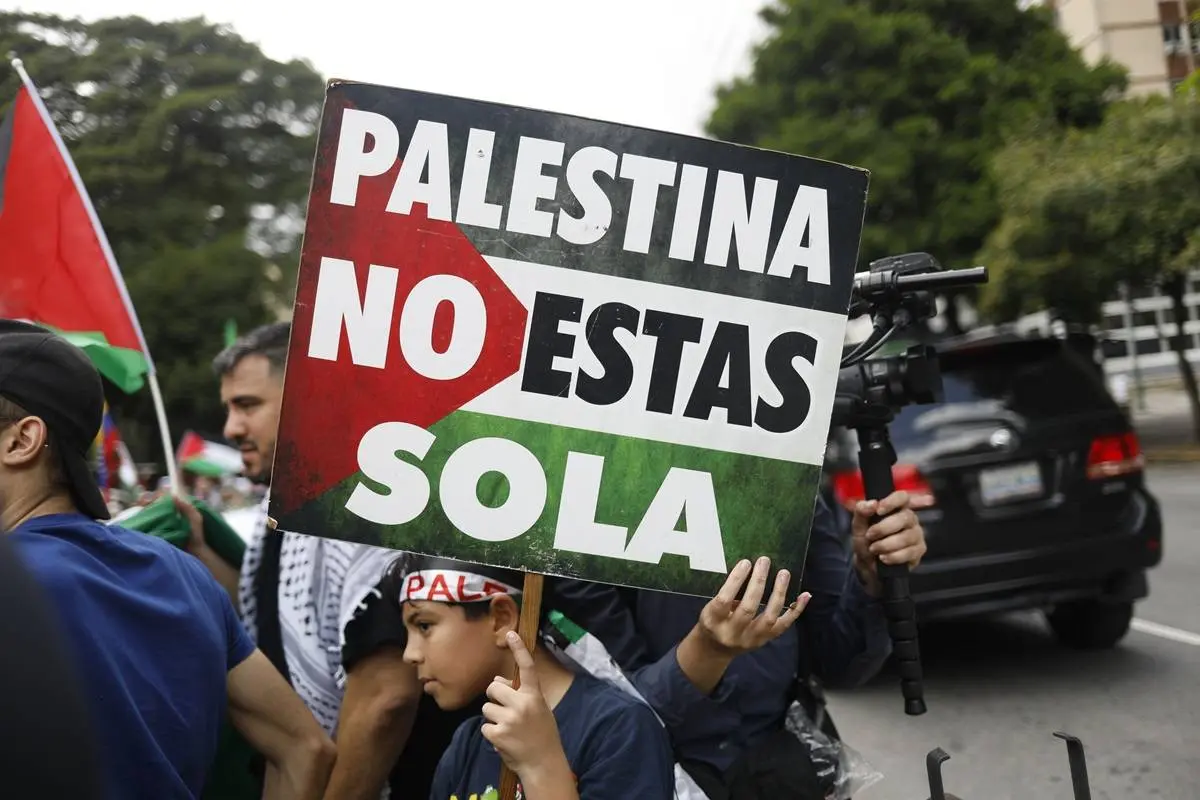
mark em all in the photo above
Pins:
pixel 998 689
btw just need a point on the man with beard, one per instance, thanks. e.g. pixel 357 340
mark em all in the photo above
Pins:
pixel 314 608
pixel 156 645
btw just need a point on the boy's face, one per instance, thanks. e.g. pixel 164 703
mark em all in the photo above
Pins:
pixel 456 657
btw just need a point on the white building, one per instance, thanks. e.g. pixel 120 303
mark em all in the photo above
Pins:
pixel 1147 37
pixel 1142 329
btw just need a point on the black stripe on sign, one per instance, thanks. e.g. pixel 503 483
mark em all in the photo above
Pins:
pixel 846 187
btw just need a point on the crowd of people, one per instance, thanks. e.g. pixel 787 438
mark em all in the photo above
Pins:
pixel 350 678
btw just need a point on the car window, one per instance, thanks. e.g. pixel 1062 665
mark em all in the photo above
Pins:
pixel 1037 379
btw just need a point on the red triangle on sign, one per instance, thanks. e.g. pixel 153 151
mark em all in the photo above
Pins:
pixel 329 405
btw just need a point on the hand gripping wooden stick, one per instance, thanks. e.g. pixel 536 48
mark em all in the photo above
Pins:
pixel 527 626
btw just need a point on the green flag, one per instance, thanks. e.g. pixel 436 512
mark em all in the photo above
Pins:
pixel 124 367
pixel 230 331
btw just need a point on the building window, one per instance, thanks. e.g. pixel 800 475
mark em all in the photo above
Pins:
pixel 1141 318
pixel 1175 39
pixel 1148 347
pixel 1189 312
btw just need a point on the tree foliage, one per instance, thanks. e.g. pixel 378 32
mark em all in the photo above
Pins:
pixel 196 150
pixel 1084 211
pixel 921 93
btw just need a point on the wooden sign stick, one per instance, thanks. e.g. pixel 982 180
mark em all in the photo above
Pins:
pixel 527 626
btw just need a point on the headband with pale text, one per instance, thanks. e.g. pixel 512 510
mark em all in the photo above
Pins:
pixel 452 586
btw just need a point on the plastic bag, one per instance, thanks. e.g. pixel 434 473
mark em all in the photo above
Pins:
pixel 840 766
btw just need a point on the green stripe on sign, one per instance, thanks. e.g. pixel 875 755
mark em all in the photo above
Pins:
pixel 757 502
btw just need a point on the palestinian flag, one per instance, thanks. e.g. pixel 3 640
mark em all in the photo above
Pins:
pixel 202 457
pixel 56 266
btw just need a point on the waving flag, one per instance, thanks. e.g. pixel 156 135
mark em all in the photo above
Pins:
pixel 202 457
pixel 56 265
pixel 100 453
pixel 125 368
pixel 114 465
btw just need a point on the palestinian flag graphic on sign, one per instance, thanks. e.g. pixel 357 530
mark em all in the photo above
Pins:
pixel 560 345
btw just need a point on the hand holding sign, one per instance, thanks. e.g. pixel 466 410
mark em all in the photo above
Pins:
pixel 733 627
pixel 521 726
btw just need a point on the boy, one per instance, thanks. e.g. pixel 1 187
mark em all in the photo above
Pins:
pixel 565 735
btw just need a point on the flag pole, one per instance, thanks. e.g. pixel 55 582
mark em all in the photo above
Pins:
pixel 160 411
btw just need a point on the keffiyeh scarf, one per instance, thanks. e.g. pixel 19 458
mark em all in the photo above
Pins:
pixel 322 584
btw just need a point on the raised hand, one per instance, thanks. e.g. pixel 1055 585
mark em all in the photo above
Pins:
pixel 731 627
pixel 518 723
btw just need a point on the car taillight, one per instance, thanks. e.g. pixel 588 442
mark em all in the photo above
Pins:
pixel 848 486
pixel 1115 455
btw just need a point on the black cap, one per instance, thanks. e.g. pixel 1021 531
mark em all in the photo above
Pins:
pixel 52 379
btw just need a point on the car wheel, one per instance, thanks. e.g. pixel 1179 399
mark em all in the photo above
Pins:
pixel 1091 624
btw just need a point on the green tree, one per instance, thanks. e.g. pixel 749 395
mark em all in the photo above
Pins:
pixel 921 93
pixel 196 150
pixel 1084 211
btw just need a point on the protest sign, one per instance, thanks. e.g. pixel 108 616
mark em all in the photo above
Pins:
pixel 561 345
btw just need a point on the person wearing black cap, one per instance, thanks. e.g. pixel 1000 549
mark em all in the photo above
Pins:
pixel 157 646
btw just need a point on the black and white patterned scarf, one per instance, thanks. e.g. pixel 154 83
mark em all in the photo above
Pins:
pixel 322 583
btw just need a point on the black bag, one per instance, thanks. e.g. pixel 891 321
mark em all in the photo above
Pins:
pixel 778 766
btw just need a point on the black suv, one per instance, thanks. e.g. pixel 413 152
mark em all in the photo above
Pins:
pixel 1039 494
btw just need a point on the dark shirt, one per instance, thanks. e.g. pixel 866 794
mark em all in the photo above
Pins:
pixel 616 747
pixel 266 597
pixel 153 637
pixel 43 717
pixel 842 638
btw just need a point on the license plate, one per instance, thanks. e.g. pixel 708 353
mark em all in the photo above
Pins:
pixel 1009 484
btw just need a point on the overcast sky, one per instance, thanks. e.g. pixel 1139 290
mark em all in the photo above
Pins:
pixel 644 62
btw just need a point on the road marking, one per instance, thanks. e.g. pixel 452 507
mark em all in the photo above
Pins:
pixel 1166 632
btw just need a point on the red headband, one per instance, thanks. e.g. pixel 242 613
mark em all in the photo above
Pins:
pixel 451 586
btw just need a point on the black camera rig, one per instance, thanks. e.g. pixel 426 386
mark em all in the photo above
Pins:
pixel 897 292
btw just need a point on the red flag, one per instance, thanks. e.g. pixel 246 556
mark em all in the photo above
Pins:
pixel 56 266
